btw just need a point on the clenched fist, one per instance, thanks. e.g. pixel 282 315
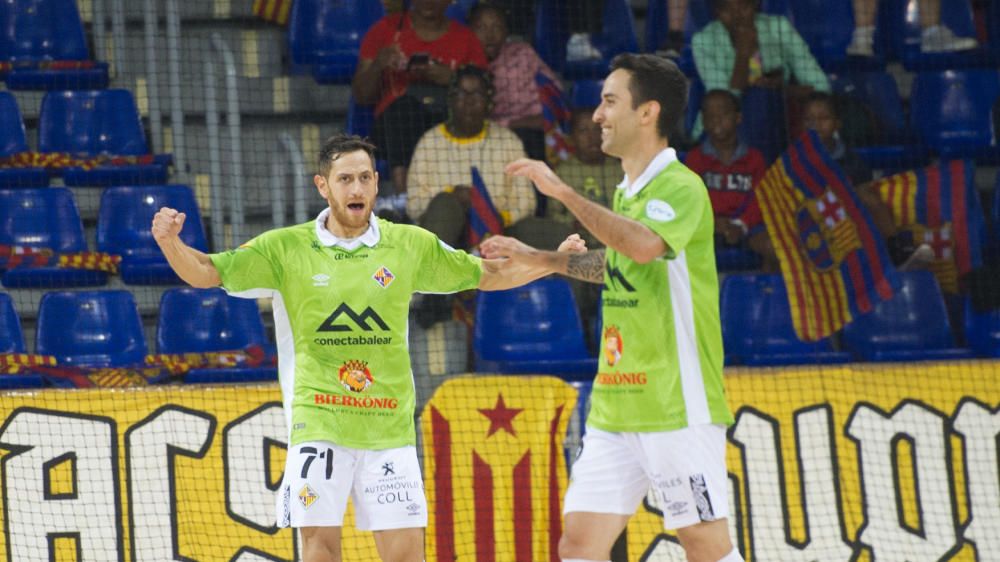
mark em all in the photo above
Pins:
pixel 167 224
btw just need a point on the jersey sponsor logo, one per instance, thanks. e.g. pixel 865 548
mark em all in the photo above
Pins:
pixel 307 496
pixel 355 340
pixel 660 211
pixel 360 321
pixel 613 302
pixel 321 280
pixel 383 277
pixel 355 376
pixel 362 402
pixel 613 345
pixel 617 379
pixel 617 279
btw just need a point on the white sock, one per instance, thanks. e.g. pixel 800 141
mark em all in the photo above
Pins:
pixel 733 556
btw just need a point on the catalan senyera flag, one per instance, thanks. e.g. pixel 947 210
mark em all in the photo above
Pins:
pixel 495 469
pixel 14 256
pixel 555 118
pixel 834 263
pixel 484 218
pixel 56 161
pixel 275 11
pixel 940 206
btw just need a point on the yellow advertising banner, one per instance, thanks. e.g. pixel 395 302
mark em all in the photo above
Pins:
pixel 866 463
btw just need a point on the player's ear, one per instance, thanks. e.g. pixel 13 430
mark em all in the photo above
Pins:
pixel 321 186
pixel 375 175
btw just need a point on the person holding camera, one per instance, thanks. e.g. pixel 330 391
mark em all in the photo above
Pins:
pixel 406 62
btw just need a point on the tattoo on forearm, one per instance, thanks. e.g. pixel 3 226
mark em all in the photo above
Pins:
pixel 588 266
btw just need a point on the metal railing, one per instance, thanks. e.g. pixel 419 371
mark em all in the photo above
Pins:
pixel 221 238
pixel 282 168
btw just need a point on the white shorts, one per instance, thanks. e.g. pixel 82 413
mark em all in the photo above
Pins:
pixel 385 485
pixel 684 471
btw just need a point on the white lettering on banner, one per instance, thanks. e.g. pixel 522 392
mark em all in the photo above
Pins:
pixel 247 444
pixel 757 435
pixel 877 436
pixel 150 446
pixel 38 439
pixel 980 431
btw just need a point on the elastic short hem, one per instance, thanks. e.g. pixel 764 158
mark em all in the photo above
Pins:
pixel 393 526
pixel 567 510
pixel 329 523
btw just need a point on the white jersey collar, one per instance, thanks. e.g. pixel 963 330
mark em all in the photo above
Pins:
pixel 327 238
pixel 655 166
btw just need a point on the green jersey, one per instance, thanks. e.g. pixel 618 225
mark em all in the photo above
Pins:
pixel 660 366
pixel 341 322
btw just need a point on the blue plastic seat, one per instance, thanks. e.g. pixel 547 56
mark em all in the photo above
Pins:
pixel 982 330
pixel 327 35
pixel 950 111
pixel 586 93
pixel 532 329
pixel 826 26
pixel 13 141
pixel 12 341
pixel 459 10
pixel 98 122
pixel 44 218
pixel 552 32
pixel 123 229
pixel 912 326
pixel 209 320
pixel 91 329
pixel 957 16
pixel 34 31
pixel 757 325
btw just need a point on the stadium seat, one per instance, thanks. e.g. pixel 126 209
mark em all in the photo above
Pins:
pixel 957 16
pixel 208 320
pixel 49 32
pixel 757 325
pixel 459 10
pixel 827 26
pixel 93 123
pixel 531 329
pixel 44 218
pixel 898 149
pixel 586 93
pixel 12 341
pixel 912 326
pixel 552 32
pixel 13 141
pixel 327 36
pixel 123 229
pixel 950 111
pixel 91 329
pixel 982 330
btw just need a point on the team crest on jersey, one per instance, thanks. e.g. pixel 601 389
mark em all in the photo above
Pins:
pixel 383 277
pixel 307 496
pixel 355 376
pixel 613 345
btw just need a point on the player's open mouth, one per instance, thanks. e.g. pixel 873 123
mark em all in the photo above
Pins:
pixel 356 206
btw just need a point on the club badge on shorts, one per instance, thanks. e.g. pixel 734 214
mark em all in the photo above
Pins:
pixel 307 496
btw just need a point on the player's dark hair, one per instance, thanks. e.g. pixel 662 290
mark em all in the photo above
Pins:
pixel 481 8
pixel 824 98
pixel 340 144
pixel 725 94
pixel 658 79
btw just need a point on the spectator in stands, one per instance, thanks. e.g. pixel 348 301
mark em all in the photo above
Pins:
pixel 673 43
pixel 440 177
pixel 820 115
pixel 762 58
pixel 588 170
pixel 584 18
pixel 731 170
pixel 407 60
pixel 514 65
pixel 934 37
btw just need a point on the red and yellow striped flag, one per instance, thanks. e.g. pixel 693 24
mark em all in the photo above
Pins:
pixel 274 11
pixel 495 467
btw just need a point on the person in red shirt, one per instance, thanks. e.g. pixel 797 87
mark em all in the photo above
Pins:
pixel 406 62
pixel 731 170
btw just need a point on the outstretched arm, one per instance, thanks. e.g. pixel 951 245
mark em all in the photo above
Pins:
pixel 191 265
pixel 529 263
pixel 627 236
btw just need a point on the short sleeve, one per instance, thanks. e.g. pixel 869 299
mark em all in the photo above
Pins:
pixel 373 41
pixel 444 269
pixel 675 211
pixel 247 267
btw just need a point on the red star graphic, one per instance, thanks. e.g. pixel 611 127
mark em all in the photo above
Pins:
pixel 501 417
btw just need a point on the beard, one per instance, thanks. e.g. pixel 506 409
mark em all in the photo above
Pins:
pixel 351 221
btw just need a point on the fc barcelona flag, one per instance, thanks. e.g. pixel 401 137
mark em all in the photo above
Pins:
pixel 484 219
pixel 495 468
pixel 939 205
pixel 834 264
pixel 274 11
pixel 555 117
